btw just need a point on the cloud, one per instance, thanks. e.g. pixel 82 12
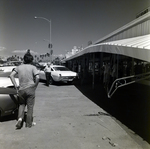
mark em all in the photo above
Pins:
pixel 2 48
pixel 24 51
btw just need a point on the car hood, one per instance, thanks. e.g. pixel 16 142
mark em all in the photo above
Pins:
pixel 7 68
pixel 6 82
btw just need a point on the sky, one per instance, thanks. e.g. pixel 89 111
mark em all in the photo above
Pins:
pixel 73 23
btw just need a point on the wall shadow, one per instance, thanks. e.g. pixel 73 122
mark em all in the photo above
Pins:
pixel 130 105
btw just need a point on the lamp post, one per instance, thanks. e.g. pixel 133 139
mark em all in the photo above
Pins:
pixel 50 42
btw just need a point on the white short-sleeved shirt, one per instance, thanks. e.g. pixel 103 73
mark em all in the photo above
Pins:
pixel 26 74
pixel 47 69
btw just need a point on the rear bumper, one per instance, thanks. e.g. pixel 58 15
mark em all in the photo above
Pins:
pixel 64 79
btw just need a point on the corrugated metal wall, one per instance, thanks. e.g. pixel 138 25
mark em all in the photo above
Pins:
pixel 134 31
pixel 138 27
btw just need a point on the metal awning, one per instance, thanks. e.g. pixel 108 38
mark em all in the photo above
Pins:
pixel 136 47
pixel 136 42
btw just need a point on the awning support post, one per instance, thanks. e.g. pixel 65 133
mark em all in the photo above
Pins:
pixel 93 80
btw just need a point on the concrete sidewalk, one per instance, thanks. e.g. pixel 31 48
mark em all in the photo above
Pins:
pixel 66 119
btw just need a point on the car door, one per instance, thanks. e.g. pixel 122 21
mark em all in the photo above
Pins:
pixel 42 74
pixel 8 101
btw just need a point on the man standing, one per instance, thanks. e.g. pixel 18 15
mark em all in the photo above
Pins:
pixel 28 81
pixel 47 71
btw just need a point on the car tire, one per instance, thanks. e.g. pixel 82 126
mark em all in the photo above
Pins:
pixel 51 81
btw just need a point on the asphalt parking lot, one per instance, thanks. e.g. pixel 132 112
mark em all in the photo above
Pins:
pixel 66 119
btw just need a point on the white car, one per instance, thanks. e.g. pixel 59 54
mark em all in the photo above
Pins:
pixel 59 74
pixel 6 82
pixel 6 70
pixel 8 97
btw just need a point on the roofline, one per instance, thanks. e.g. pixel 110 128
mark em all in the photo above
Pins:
pixel 130 24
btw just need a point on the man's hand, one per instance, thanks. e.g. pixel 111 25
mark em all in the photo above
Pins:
pixel 17 89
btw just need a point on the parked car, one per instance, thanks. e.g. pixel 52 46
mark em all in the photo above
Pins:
pixel 43 63
pixel 38 66
pixel 7 68
pixel 59 74
pixel 8 97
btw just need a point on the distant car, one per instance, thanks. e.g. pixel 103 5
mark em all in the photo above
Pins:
pixel 59 74
pixel 8 97
pixel 43 63
pixel 16 63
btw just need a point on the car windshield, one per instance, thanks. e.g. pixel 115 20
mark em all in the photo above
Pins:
pixel 60 69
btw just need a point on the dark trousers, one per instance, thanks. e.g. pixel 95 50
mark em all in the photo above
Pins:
pixel 47 74
pixel 27 97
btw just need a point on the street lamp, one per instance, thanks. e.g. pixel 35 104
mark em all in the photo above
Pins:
pixel 50 42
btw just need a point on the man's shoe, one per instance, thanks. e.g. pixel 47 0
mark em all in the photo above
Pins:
pixel 33 123
pixel 29 126
pixel 19 124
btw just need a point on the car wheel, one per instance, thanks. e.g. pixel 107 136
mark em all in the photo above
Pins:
pixel 51 81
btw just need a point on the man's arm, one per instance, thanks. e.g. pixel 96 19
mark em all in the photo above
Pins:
pixel 37 80
pixel 36 76
pixel 45 69
pixel 12 78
